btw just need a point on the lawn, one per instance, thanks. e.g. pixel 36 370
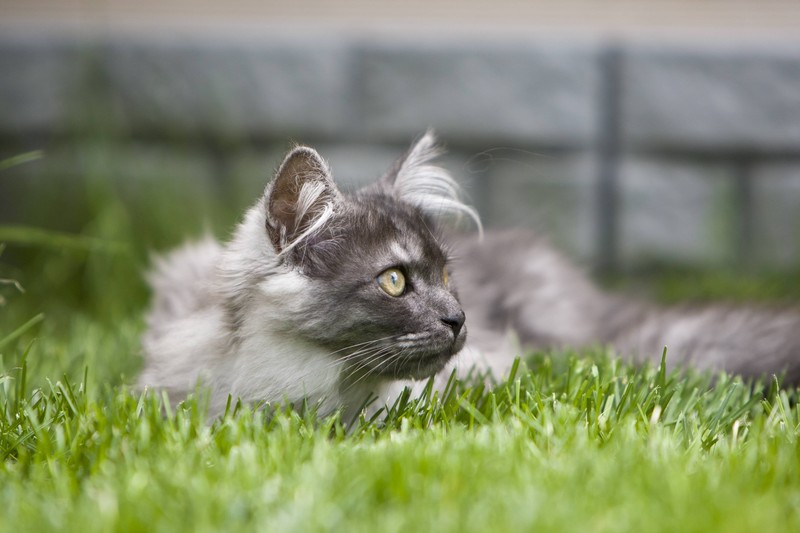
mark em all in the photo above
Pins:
pixel 572 441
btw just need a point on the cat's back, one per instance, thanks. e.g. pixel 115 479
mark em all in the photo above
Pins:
pixel 183 282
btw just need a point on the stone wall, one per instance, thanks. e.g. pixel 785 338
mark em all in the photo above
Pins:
pixel 622 152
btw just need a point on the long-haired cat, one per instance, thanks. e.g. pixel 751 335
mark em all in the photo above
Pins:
pixel 330 298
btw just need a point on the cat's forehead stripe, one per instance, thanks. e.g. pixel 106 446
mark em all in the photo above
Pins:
pixel 400 253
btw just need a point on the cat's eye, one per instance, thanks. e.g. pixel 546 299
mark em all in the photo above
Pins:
pixel 445 277
pixel 392 281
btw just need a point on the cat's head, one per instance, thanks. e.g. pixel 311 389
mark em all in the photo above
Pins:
pixel 371 272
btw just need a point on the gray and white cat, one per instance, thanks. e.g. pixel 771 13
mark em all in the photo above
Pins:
pixel 332 298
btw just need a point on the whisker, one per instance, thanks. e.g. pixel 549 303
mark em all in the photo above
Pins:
pixel 364 346
pixel 373 341
pixel 393 356
pixel 366 364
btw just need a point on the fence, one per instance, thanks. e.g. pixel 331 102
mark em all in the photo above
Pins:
pixel 623 152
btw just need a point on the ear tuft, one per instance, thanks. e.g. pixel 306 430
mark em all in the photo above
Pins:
pixel 416 180
pixel 300 200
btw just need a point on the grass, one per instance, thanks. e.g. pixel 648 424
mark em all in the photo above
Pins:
pixel 579 443
pixel 572 441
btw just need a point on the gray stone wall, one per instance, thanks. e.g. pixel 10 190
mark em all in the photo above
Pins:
pixel 698 146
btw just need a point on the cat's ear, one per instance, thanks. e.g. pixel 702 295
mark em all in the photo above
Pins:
pixel 300 200
pixel 415 161
pixel 416 180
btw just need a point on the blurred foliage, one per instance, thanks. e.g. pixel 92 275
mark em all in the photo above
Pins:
pixel 80 243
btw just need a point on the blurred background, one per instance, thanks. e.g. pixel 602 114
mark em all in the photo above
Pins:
pixel 641 135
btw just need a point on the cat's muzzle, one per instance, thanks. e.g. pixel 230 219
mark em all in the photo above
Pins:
pixel 422 360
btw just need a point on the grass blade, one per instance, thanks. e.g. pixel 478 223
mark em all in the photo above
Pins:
pixel 17 333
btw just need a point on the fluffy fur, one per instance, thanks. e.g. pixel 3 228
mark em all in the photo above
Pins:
pixel 288 310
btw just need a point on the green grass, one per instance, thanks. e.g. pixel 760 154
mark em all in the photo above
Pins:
pixel 579 443
pixel 572 442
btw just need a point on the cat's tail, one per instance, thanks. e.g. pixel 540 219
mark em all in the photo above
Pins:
pixel 516 281
pixel 182 324
pixel 746 340
pixel 181 281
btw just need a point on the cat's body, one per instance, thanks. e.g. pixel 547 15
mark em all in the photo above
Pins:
pixel 539 295
pixel 330 299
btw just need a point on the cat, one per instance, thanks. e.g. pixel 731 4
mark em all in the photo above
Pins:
pixel 333 298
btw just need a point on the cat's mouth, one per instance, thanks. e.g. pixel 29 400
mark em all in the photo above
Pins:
pixel 417 355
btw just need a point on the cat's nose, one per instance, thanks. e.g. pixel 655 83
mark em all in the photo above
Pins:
pixel 455 322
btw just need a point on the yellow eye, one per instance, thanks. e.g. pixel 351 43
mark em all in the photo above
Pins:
pixel 446 277
pixel 392 281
